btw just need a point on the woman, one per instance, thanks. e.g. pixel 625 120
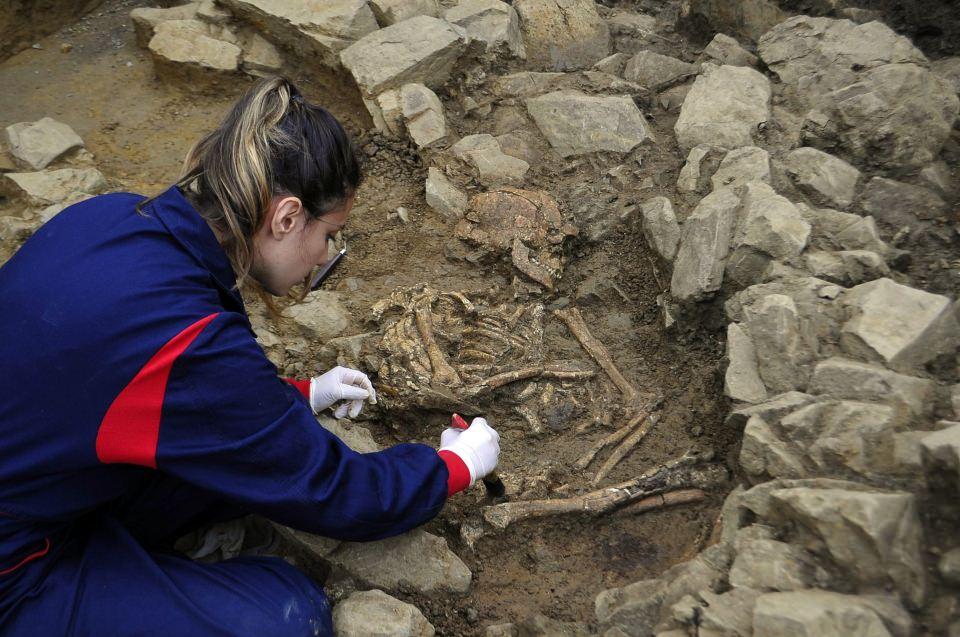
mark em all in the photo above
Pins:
pixel 135 403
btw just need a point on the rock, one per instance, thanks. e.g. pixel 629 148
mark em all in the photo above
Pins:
pixel 704 245
pixel 416 559
pixel 724 107
pixel 816 613
pixel 819 55
pixel 538 625
pixel 575 123
pixel 766 564
pixel 527 83
pixel 937 176
pixel 730 613
pixel 656 71
pixel 742 165
pixel 634 607
pixel 692 177
pixel 562 35
pixel 742 380
pixel 949 567
pixel 764 455
pixel 355 436
pixel 725 50
pixel 749 18
pixel 672 99
pixel 52 186
pixel 322 316
pixel 897 204
pixel 660 227
pixel 53 210
pixel 367 613
pixel 492 21
pixel 895 117
pixel 784 342
pixel 211 13
pixel 444 197
pixel 632 31
pixel 183 51
pixel 892 323
pixel 846 230
pixel 422 114
pixel 146 19
pixel 612 64
pixel 875 536
pixel 844 378
pixel 941 450
pixel 483 153
pixel 390 12
pixel 771 410
pixel 42 142
pixel 314 31
pixel 848 267
pixel 260 58
pixel 948 69
pixel 826 179
pixel 501 630
pixel 421 49
pixel 769 223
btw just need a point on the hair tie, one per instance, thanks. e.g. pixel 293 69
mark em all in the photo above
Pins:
pixel 297 98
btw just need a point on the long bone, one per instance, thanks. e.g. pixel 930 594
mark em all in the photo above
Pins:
pixel 573 319
pixel 618 435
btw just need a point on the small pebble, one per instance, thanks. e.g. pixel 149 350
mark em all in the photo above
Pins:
pixel 403 214
pixel 66 47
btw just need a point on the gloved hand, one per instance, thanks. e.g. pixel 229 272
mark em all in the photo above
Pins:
pixel 341 384
pixel 478 446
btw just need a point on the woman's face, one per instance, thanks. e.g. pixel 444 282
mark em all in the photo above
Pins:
pixel 287 247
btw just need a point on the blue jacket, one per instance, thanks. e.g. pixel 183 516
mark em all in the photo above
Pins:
pixel 125 350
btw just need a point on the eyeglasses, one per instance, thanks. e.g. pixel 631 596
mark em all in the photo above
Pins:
pixel 339 244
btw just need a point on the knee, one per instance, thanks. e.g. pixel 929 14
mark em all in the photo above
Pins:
pixel 291 605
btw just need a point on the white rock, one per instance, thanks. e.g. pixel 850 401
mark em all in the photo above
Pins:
pixel 562 35
pixel 575 123
pixel 704 245
pixel 742 165
pixel 785 347
pixel 494 22
pixel 816 613
pixel 390 12
pixel 941 450
pixel 146 19
pixel 321 316
pixel 314 30
pixel 725 50
pixel 374 613
pixel 724 107
pixel 260 57
pixel 656 71
pixel 444 197
pixel 891 323
pixel 416 559
pixel 844 378
pixel 689 178
pixel 826 179
pixel 660 227
pixel 52 186
pixel 770 223
pixel 483 153
pixel 730 613
pixel 766 564
pixel 771 410
pixel 422 114
pixel 421 49
pixel 41 142
pixel 848 267
pixel 356 436
pixel 184 49
pixel 765 455
pixel 742 379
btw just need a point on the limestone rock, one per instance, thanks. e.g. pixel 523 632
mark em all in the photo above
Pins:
pixel 660 227
pixel 770 223
pixel 316 30
pixel 444 197
pixel 725 50
pixel 184 50
pixel 783 340
pixel 146 19
pixel 896 117
pixel 212 13
pixel 41 142
pixel 322 316
pixel 937 177
pixel 766 564
pixel 483 153
pixel 847 267
pixel 635 606
pixel 845 229
pixel 941 450
pixel 897 204
pixel 417 559
pixel 49 187
pixel 771 410
pixel 742 380
pixel 875 536
pixel 421 49
pixel 826 179
pixel 563 35
pixel 612 64
pixel 949 567
pixel 724 107
pixel 948 69
pixel 747 18
pixel 892 323
pixel 356 436
pixel 742 165
pixel 575 123
pixel 843 378
pixel 657 71
pixel 765 455
pixel 816 613
pixel 260 57
pixel 729 613
pixel 494 22
pixel 819 55
pixel 367 613
pixel 390 12
pixel 422 114
pixel 704 245
pixel 693 176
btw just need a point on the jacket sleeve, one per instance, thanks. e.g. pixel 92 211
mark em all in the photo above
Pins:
pixel 232 426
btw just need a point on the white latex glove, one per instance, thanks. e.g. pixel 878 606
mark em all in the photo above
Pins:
pixel 341 384
pixel 478 446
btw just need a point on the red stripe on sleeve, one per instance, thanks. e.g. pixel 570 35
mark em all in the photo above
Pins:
pixel 131 427
pixel 459 478
pixel 303 386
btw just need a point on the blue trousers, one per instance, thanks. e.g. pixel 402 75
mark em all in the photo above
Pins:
pixel 113 577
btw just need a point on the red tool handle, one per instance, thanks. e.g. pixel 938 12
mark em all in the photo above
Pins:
pixel 458 422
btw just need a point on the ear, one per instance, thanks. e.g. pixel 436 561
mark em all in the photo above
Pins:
pixel 283 216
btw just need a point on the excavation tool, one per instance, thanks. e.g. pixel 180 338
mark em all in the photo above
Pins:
pixel 493 483
pixel 327 269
